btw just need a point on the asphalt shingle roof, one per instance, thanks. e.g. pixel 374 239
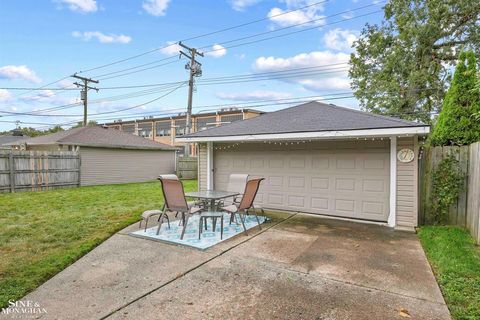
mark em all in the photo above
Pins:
pixel 97 137
pixel 308 117
pixel 10 139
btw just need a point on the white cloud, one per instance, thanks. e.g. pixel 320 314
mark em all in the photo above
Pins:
pixel 314 58
pixel 335 65
pixel 254 95
pixel 340 39
pixel 172 48
pixel 330 83
pixel 348 15
pixel 82 6
pixel 5 95
pixel 101 37
pixel 43 95
pixel 217 51
pixel 303 16
pixel 156 7
pixel 241 5
pixel 12 72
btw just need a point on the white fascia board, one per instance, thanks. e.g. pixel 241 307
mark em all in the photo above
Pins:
pixel 384 132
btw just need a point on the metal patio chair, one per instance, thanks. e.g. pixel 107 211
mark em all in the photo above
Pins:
pixel 246 203
pixel 236 183
pixel 175 201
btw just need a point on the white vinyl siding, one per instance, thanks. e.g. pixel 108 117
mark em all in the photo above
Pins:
pixel 407 189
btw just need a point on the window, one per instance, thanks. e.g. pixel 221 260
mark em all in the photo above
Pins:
pixel 205 123
pixel 180 127
pixel 163 128
pixel 232 118
pixel 128 128
pixel 145 129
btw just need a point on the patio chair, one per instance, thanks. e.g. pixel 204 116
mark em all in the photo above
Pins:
pixel 175 201
pixel 236 183
pixel 189 203
pixel 246 203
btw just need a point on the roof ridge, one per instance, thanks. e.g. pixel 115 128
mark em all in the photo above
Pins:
pixel 80 129
pixel 372 114
pixel 257 117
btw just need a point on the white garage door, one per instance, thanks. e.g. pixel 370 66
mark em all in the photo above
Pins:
pixel 341 178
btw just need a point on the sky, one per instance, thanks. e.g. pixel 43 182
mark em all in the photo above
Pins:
pixel 262 54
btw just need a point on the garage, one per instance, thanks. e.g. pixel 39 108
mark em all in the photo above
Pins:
pixel 321 159
pixel 341 178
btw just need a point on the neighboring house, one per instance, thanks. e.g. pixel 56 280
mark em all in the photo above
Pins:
pixel 6 140
pixel 107 155
pixel 168 129
pixel 323 159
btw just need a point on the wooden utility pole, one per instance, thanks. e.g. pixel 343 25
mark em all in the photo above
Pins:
pixel 84 94
pixel 195 70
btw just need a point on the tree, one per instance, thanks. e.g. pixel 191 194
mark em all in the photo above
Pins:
pixel 91 123
pixel 457 124
pixel 401 67
pixel 32 132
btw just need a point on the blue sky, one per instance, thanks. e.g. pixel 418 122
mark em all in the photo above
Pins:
pixel 44 41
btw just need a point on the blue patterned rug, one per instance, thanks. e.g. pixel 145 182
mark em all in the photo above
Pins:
pixel 208 237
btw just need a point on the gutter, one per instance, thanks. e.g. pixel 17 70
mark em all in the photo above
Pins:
pixel 332 134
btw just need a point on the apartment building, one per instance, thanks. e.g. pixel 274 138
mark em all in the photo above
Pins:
pixel 166 129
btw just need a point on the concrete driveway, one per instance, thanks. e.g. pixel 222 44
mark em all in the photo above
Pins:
pixel 297 267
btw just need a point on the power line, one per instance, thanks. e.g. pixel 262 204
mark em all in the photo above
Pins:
pixel 286 34
pixel 201 36
pixel 260 34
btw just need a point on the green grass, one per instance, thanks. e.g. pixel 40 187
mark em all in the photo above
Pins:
pixel 41 233
pixel 456 263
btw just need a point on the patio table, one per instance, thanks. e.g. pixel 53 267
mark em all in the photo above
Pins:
pixel 211 196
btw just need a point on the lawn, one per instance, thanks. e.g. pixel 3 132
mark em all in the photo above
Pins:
pixel 456 263
pixel 41 233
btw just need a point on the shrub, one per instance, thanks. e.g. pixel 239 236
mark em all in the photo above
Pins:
pixel 446 187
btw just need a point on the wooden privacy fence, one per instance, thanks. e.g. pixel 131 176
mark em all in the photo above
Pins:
pixel 187 167
pixel 38 170
pixel 465 211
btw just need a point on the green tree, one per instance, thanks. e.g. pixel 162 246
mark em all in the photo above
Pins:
pixel 401 67
pixel 32 132
pixel 90 123
pixel 458 124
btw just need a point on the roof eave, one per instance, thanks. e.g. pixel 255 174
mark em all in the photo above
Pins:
pixel 331 134
pixel 106 146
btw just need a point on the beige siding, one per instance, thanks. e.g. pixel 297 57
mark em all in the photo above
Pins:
pixel 202 166
pixel 407 186
pixel 105 166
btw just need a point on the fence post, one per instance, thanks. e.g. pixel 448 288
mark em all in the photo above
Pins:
pixel 12 171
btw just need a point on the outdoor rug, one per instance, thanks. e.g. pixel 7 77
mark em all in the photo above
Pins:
pixel 208 237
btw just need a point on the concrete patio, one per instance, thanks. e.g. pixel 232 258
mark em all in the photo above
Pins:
pixel 298 267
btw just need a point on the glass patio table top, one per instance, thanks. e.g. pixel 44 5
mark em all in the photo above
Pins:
pixel 211 194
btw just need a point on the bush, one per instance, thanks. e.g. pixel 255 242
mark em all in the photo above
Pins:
pixel 446 187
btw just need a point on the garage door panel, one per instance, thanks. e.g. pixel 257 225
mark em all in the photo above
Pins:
pixel 275 198
pixel 348 182
pixel 320 183
pixel 320 162
pixel 296 201
pixel 296 182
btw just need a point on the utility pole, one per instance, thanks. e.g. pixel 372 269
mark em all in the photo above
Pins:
pixel 84 94
pixel 195 70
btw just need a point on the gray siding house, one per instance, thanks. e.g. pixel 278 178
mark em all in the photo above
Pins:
pixel 108 155
pixel 321 159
